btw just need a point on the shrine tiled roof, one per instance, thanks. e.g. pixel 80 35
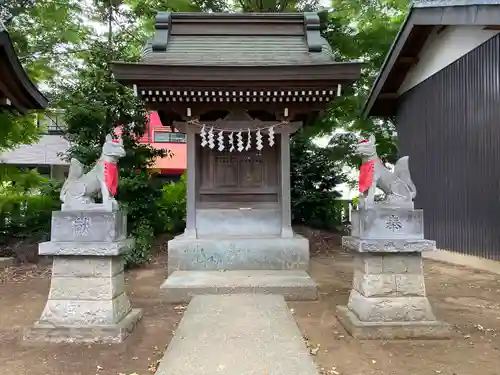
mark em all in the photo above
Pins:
pixel 236 49
pixel 237 39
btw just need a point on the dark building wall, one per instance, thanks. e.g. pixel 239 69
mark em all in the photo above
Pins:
pixel 449 125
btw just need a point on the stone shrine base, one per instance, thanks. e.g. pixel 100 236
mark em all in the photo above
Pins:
pixel 294 285
pixel 238 264
pixel 106 334
pixel 391 330
pixel 238 253
pixel 238 334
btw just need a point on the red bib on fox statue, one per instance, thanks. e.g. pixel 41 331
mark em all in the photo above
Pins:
pixel 366 174
pixel 111 174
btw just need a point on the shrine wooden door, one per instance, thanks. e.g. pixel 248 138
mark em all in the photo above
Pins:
pixel 247 176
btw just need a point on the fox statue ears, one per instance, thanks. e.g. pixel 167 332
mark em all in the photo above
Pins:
pixel 109 138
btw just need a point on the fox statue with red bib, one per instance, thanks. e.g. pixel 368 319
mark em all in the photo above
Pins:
pixel 79 187
pixel 388 298
pixel 397 186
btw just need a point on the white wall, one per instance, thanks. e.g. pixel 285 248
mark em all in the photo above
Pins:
pixel 443 49
pixel 43 152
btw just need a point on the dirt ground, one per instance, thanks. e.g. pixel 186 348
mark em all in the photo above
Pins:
pixel 467 299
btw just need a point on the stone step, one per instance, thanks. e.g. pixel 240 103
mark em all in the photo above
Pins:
pixel 237 335
pixel 294 285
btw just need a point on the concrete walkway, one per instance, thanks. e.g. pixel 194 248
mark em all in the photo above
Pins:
pixel 246 334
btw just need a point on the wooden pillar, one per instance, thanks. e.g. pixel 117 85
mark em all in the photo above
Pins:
pixel 191 182
pixel 286 213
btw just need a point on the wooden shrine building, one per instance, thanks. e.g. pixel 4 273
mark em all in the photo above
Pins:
pixel 238 85
pixel 16 89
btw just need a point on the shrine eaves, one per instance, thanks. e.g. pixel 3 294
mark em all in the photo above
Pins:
pixel 275 62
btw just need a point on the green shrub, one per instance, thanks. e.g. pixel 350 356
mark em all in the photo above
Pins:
pixel 172 207
pixel 355 201
pixel 138 195
pixel 25 212
pixel 314 176
pixel 144 235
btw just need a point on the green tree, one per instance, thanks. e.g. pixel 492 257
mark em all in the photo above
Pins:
pixel 148 8
pixel 46 34
pixel 143 12
pixel 276 6
pixel 314 177
pixel 95 106
pixel 17 129
pixel 361 30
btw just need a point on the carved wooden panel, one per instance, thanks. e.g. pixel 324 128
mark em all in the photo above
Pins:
pixel 251 170
pixel 226 169
pixel 247 172
pixel 240 170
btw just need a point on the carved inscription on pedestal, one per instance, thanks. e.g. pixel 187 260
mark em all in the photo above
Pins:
pixel 81 226
pixel 393 223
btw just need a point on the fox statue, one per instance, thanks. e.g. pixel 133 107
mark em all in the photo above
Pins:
pixel 397 186
pixel 79 187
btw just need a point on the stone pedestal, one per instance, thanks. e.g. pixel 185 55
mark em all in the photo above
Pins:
pixel 248 245
pixel 247 253
pixel 388 298
pixel 87 300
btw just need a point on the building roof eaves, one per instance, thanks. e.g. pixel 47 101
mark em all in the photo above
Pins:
pixel 34 96
pixel 432 13
pixel 129 73
pixel 389 61
pixel 233 15
pixel 452 3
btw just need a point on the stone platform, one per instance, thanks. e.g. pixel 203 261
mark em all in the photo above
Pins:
pixel 238 334
pixel 427 330
pixel 92 333
pixel 210 253
pixel 182 286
